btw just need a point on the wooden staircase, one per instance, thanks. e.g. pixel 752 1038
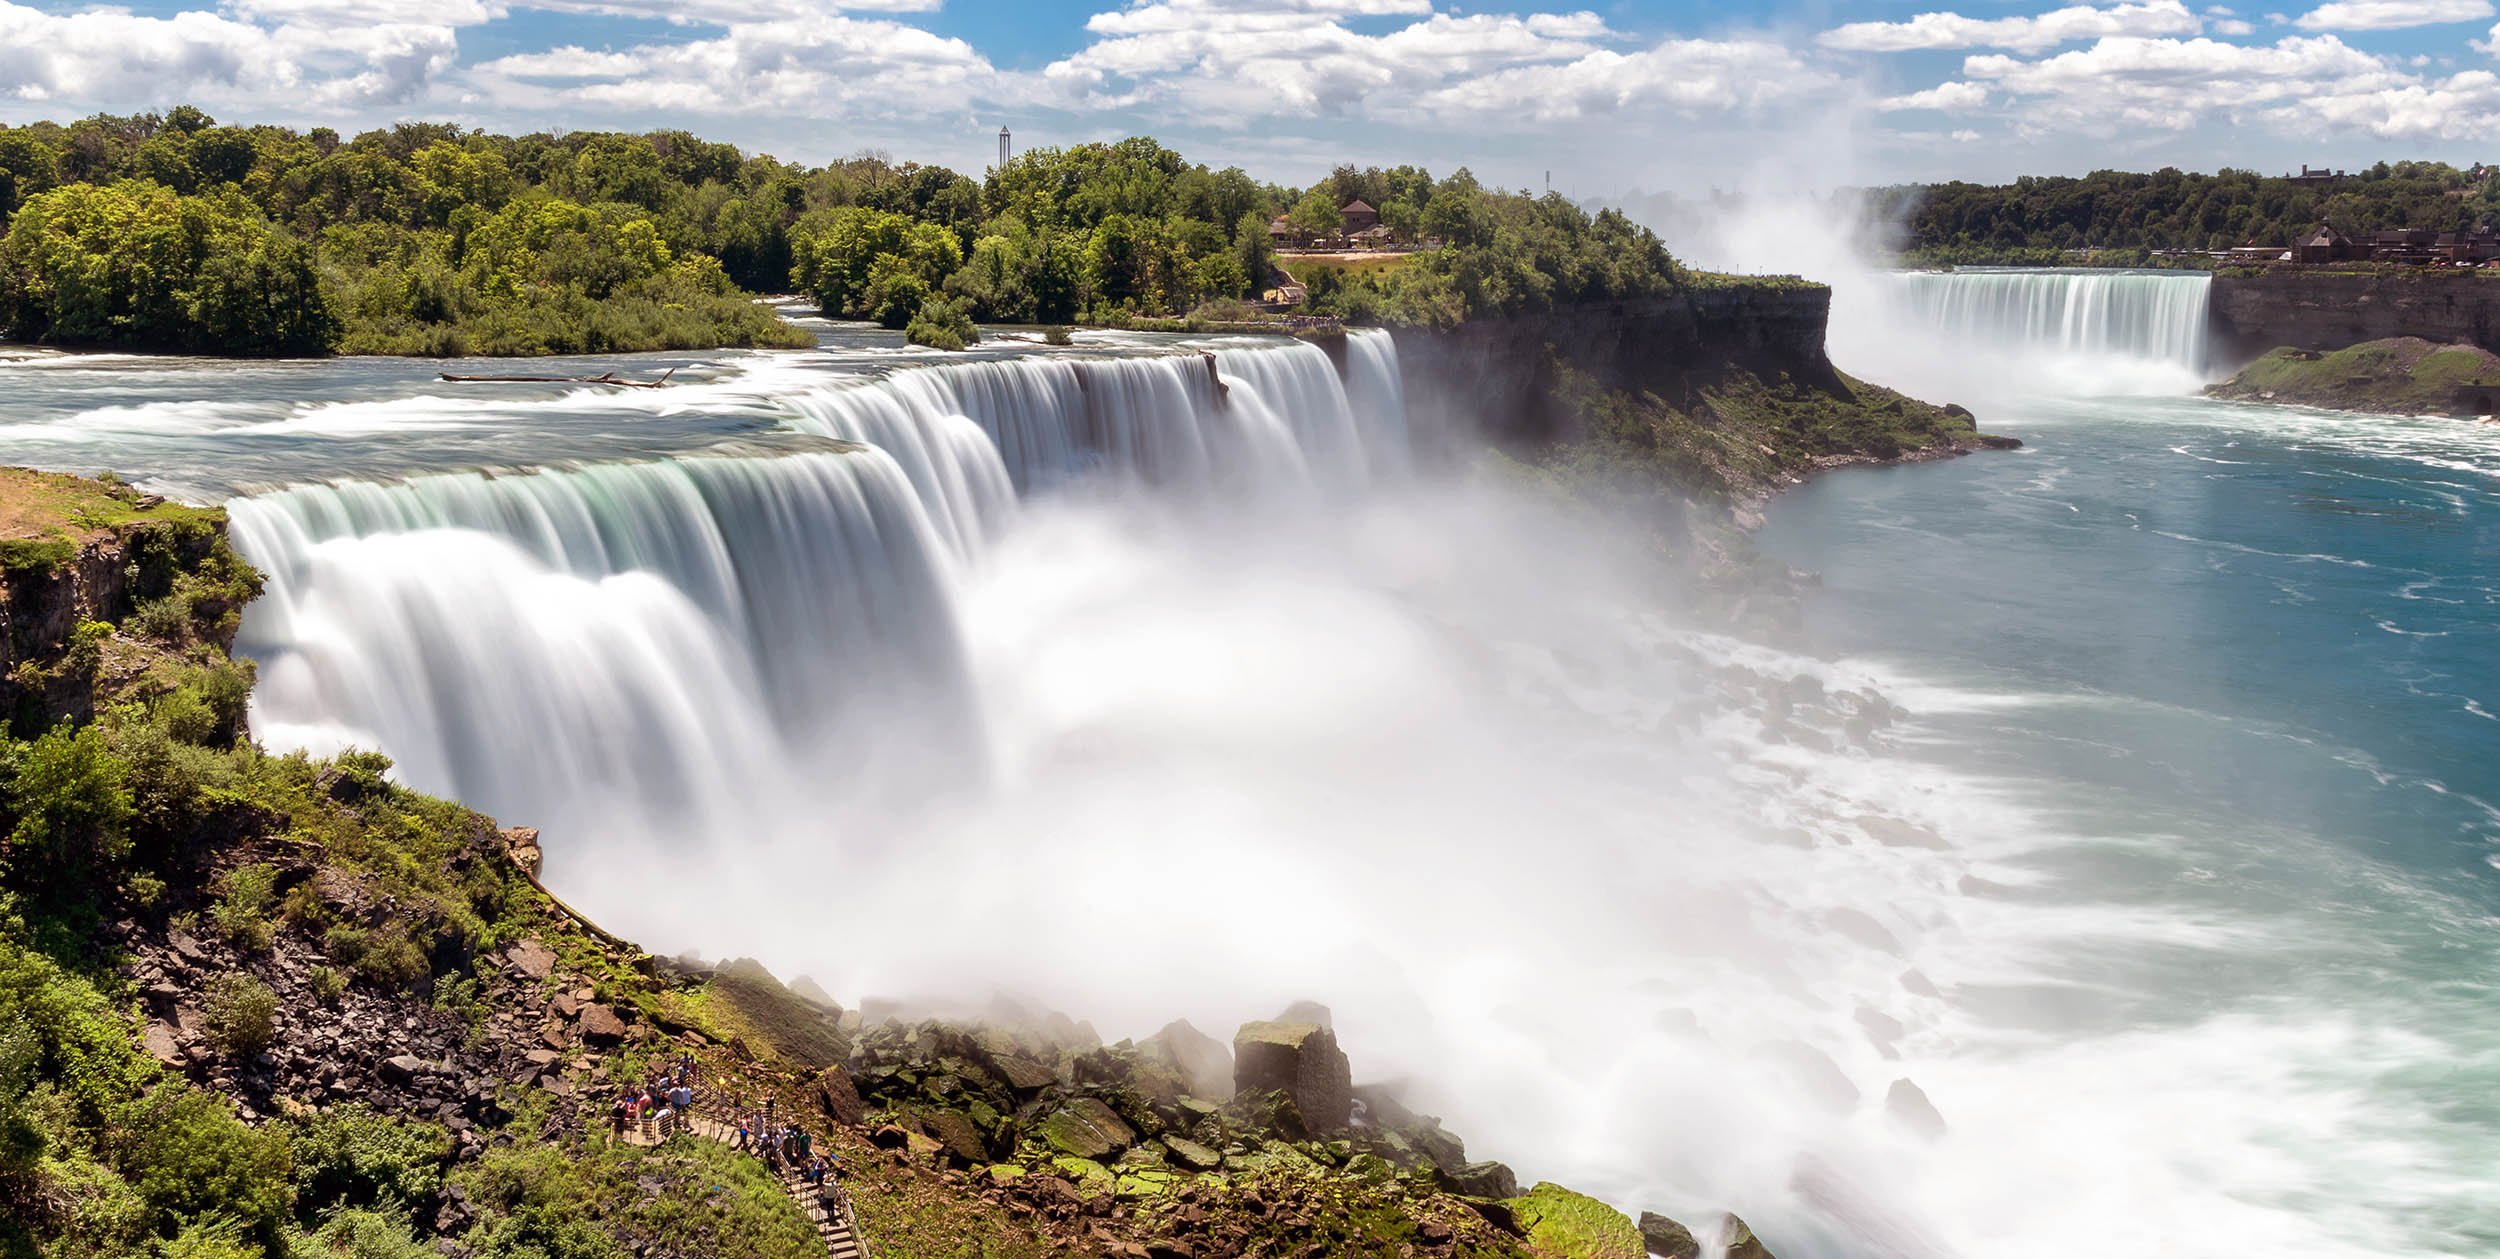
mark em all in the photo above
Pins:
pixel 838 1226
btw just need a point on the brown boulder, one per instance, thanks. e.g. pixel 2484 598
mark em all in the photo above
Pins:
pixel 839 1095
pixel 1667 1239
pixel 521 843
pixel 1302 1061
pixel 531 958
pixel 600 1025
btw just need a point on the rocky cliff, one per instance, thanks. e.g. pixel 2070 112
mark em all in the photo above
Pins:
pixel 2329 310
pixel 1720 394
pixel 1500 376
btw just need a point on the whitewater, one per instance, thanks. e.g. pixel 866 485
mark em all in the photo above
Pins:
pixel 2127 795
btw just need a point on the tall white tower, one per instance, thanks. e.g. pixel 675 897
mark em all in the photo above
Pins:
pixel 1003 149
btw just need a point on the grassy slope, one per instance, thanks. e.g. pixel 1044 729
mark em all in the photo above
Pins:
pixel 2399 376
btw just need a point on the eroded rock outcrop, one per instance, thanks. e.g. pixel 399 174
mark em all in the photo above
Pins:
pixel 1301 1061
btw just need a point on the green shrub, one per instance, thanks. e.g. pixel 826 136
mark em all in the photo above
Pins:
pixel 72 799
pixel 391 959
pixel 242 909
pixel 327 983
pixel 351 1156
pixel 189 1158
pixel 942 325
pixel 1058 334
pixel 221 1237
pixel 242 1015
pixel 360 1234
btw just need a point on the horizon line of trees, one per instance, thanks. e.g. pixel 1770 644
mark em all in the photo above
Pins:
pixel 174 231
pixel 2169 209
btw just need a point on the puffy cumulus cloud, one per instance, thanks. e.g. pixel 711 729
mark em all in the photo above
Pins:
pixel 852 67
pixel 2023 34
pixel 114 58
pixel 1228 63
pixel 1683 75
pixel 2463 106
pixel 2391 15
pixel 2297 86
pixel 1950 97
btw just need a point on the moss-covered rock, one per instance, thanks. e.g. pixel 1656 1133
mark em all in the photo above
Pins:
pixel 1574 1225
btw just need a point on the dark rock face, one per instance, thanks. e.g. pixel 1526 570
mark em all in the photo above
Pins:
pixel 2326 310
pixel 1302 1061
pixel 839 1095
pixel 1666 1238
pixel 1496 375
pixel 1484 1180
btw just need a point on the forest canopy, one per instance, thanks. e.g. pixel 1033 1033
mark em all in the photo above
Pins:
pixel 176 232
pixel 2039 218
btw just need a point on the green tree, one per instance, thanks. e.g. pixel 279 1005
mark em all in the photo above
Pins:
pixel 70 797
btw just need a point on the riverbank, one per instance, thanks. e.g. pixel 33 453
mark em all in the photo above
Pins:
pixel 2395 376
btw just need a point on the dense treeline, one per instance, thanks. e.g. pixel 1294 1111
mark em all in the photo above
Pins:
pixel 176 232
pixel 1104 232
pixel 173 232
pixel 2038 217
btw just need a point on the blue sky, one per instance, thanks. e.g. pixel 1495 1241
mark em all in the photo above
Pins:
pixel 1652 95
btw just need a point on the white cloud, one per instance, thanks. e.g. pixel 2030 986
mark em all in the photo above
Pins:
pixel 1228 63
pixel 2490 45
pixel 1951 97
pixel 847 67
pixel 2390 15
pixel 2023 34
pixel 2301 86
pixel 118 59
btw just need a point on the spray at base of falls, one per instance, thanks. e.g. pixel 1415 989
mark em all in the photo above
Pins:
pixel 1616 895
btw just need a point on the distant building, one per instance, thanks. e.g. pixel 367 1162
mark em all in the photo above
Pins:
pixel 1358 217
pixel 2325 245
pixel 2320 176
pixel 1377 236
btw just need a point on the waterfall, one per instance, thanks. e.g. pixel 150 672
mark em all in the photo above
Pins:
pixel 1252 415
pixel 618 634
pixel 617 644
pixel 2004 331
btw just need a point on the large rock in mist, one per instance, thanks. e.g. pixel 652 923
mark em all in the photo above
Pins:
pixel 1202 1062
pixel 1908 1106
pixel 1667 1239
pixel 1302 1061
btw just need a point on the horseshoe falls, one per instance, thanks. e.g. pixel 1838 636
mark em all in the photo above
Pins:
pixel 2002 334
pixel 2129 798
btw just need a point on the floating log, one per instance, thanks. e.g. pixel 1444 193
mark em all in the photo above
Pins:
pixel 604 378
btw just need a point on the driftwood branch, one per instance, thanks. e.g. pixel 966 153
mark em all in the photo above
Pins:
pixel 604 378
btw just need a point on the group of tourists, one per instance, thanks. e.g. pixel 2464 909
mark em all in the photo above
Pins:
pixel 662 1103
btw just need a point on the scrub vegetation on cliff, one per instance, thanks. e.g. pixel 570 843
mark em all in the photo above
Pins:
pixel 255 1005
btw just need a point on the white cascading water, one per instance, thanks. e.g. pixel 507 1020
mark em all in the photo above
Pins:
pixel 1265 416
pixel 625 634
pixel 1992 334
pixel 1639 909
